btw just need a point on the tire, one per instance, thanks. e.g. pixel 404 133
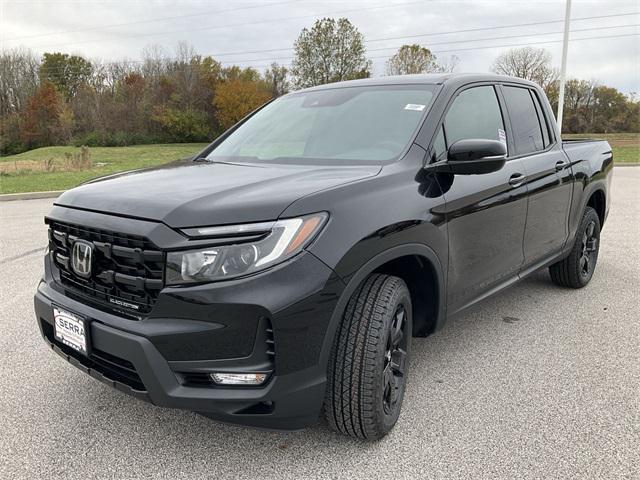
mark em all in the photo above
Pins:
pixel 576 270
pixel 367 369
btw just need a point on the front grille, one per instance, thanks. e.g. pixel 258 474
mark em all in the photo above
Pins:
pixel 127 270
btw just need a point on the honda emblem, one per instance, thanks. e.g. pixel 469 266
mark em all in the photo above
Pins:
pixel 81 257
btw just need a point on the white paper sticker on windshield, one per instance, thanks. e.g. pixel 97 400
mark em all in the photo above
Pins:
pixel 502 136
pixel 414 106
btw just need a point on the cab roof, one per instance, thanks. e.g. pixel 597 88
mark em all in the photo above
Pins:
pixel 424 79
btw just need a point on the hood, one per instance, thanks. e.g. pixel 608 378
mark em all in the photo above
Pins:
pixel 188 194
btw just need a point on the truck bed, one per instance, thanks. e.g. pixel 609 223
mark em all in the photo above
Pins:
pixel 594 151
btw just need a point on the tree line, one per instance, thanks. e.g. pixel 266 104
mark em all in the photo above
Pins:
pixel 187 97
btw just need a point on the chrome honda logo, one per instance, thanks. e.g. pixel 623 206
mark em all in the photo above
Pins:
pixel 81 258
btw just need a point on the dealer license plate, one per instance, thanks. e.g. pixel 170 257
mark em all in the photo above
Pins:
pixel 69 329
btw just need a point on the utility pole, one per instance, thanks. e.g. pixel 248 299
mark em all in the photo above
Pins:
pixel 563 66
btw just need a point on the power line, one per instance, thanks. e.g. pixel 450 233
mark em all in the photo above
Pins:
pixel 456 41
pixel 152 20
pixel 411 36
pixel 429 34
pixel 433 34
pixel 187 66
pixel 540 43
pixel 530 24
pixel 493 46
pixel 258 22
pixel 507 36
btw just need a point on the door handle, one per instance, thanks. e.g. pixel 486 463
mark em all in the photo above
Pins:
pixel 516 180
pixel 561 165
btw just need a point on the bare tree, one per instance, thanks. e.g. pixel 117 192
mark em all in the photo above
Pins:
pixel 449 65
pixel 186 74
pixel 276 77
pixel 155 61
pixel 529 63
pixel 18 79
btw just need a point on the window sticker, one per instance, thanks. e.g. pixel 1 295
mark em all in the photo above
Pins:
pixel 414 106
pixel 502 136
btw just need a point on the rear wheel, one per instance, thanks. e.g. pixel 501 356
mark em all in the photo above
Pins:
pixel 577 268
pixel 367 370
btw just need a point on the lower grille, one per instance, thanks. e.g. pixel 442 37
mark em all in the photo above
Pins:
pixel 119 367
pixel 195 379
pixel 127 271
pixel 112 367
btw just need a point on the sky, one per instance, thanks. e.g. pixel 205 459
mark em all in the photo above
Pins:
pixel 239 32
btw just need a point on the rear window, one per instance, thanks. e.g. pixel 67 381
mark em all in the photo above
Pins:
pixel 525 122
pixel 351 124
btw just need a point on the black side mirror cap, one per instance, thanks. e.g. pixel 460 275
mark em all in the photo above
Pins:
pixel 473 156
pixel 476 149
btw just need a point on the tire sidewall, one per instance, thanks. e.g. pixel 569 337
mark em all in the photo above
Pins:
pixel 589 215
pixel 402 297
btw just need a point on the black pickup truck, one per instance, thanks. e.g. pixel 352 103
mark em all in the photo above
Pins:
pixel 286 267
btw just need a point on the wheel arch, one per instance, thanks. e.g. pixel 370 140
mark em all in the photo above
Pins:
pixel 598 201
pixel 406 261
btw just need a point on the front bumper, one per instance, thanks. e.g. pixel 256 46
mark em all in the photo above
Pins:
pixel 136 357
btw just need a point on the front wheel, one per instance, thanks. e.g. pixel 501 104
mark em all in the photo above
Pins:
pixel 367 371
pixel 576 270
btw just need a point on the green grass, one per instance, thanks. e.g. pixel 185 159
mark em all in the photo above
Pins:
pixel 106 160
pixel 626 146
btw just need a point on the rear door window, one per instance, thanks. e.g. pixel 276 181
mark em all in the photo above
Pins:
pixel 525 124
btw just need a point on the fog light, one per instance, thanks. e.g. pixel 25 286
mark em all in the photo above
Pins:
pixel 239 378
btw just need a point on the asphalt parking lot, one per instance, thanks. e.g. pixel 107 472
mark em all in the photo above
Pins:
pixel 536 382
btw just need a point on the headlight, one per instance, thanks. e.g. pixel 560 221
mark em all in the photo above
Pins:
pixel 276 242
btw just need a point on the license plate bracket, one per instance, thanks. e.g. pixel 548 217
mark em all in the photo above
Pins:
pixel 71 330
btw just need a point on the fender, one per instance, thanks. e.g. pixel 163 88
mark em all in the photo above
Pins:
pixel 369 267
pixel 591 175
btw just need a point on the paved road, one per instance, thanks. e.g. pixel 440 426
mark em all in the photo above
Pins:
pixel 538 382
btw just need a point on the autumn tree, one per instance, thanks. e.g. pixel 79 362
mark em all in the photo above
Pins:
pixel 41 124
pixel 276 77
pixel 183 125
pixel 236 98
pixel 331 51
pixel 412 59
pixel 234 72
pixel 593 108
pixel 66 72
pixel 529 63
pixel 612 111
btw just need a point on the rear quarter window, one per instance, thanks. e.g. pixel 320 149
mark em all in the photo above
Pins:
pixel 525 123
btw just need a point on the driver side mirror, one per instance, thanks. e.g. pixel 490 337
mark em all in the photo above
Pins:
pixel 474 156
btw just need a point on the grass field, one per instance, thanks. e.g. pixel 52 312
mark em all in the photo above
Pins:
pixel 25 172
pixel 48 168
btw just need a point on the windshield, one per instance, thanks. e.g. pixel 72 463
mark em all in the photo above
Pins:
pixel 373 123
